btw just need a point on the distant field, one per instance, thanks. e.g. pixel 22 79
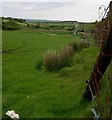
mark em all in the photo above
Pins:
pixel 36 93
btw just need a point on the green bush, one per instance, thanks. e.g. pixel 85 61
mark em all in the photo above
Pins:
pixel 55 60
pixel 38 26
pixel 11 25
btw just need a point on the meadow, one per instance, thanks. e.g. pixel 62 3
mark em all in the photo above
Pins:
pixel 37 93
pixel 34 93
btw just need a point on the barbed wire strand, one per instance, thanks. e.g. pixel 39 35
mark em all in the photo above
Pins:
pixel 97 114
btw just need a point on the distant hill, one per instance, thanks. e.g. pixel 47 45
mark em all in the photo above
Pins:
pixel 41 20
pixel 36 20
pixel 44 20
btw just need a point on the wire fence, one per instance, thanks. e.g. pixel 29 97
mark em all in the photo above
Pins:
pixel 102 102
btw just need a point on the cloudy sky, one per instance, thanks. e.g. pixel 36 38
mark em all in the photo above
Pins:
pixel 80 10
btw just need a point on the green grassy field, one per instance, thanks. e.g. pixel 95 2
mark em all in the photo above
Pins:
pixel 36 93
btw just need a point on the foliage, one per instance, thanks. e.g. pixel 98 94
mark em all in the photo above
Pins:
pixel 38 26
pixel 59 26
pixel 11 25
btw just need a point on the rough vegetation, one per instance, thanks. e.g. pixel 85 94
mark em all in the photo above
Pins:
pixel 34 92
pixel 56 60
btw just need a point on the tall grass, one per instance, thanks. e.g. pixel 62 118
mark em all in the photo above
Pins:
pixel 55 60
pixel 51 60
pixel 78 46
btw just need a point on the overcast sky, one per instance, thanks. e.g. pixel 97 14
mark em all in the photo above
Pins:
pixel 79 10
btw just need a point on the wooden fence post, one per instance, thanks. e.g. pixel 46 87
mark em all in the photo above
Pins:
pixel 102 62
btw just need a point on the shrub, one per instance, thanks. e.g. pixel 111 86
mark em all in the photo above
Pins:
pixel 11 25
pixel 55 60
pixel 38 26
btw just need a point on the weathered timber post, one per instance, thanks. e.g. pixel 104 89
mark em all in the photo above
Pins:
pixel 102 62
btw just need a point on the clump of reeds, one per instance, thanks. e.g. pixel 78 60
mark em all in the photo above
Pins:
pixel 55 60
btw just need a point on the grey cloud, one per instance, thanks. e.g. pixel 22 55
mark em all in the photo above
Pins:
pixel 81 10
pixel 91 1
pixel 31 5
pixel 40 0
